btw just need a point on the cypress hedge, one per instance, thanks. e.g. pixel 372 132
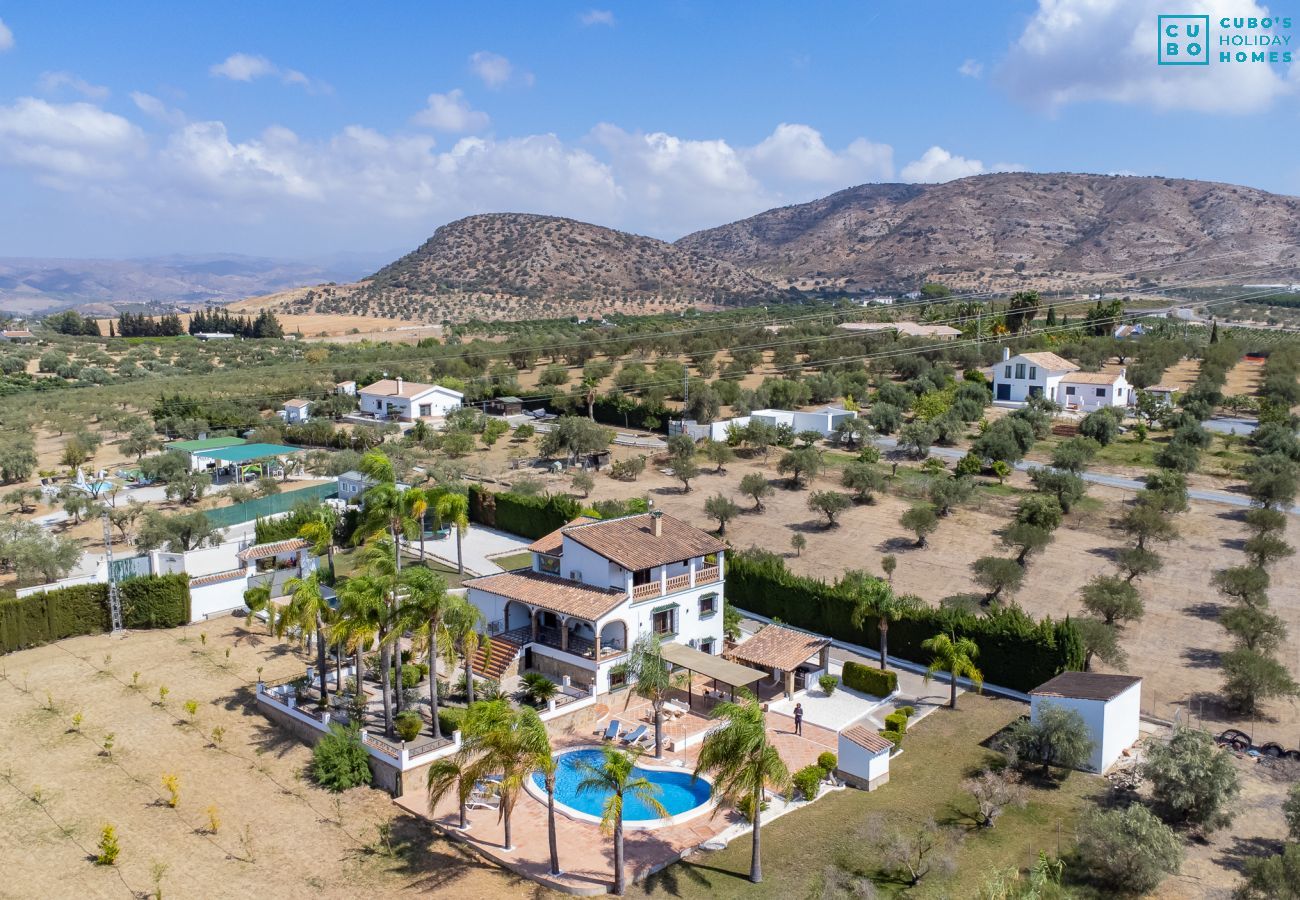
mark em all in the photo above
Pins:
pixel 1015 651
pixel 526 516
pixel 867 679
pixel 148 602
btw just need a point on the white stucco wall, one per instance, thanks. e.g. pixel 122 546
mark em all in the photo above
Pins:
pixel 860 762
pixel 1085 396
pixel 1112 725
pixel 594 568
pixel 213 599
pixel 1019 387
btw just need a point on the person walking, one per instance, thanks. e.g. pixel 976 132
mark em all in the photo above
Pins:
pixel 798 719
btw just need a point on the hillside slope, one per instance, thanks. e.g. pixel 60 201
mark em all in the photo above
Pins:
pixel 1002 229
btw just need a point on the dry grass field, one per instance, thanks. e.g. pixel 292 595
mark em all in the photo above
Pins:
pixel 277 836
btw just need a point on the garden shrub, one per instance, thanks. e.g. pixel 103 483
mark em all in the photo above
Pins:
pixel 450 718
pixel 908 711
pixel 1015 651
pixel 896 722
pixel 340 760
pixel 827 762
pixel 876 682
pixel 530 517
pixel 408 725
pixel 828 684
pixel 893 737
pixel 808 781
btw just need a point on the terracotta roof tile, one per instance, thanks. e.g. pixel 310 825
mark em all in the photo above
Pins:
pixel 1086 686
pixel 262 551
pixel 216 577
pixel 630 541
pixel 559 595
pixel 867 739
pixel 387 387
pixel 553 543
pixel 1050 361
pixel 778 647
pixel 1091 378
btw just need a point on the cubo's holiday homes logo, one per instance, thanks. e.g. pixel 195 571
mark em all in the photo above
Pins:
pixel 1186 40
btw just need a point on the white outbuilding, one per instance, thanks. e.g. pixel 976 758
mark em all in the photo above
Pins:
pixel 864 757
pixel 1109 704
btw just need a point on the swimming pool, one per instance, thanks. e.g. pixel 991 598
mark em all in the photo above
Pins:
pixel 682 796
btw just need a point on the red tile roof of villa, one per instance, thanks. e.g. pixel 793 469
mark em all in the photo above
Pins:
pixel 262 551
pixel 1092 377
pixel 553 543
pixel 778 647
pixel 216 577
pixel 1050 361
pixel 558 595
pixel 867 739
pixel 630 541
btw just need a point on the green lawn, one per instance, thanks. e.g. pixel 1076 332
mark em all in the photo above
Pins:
pixel 925 780
pixel 514 560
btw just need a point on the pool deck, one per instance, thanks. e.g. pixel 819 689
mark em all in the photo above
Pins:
pixel 587 854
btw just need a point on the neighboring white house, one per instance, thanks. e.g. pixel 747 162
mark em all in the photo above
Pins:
pixel 1125 332
pixel 218 575
pixel 863 757
pixel 593 588
pixel 824 421
pixel 346 388
pixel 1087 391
pixel 1109 704
pixel 393 398
pixel 352 484
pixel 16 334
pixel 1017 378
pixel 295 411
pixel 193 449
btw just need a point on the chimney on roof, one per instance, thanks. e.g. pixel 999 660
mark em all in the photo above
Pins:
pixel 1006 353
pixel 657 523
pixel 399 385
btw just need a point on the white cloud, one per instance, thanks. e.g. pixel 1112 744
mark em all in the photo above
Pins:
pixel 53 82
pixel 971 68
pixel 6 37
pixel 597 17
pixel 797 153
pixel 154 108
pixel 61 141
pixel 243 67
pixel 496 71
pixel 249 67
pixel 937 164
pixel 1079 51
pixel 451 112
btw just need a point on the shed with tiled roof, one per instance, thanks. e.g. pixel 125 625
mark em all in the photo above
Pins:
pixel 782 651
pixel 863 756
pixel 1110 705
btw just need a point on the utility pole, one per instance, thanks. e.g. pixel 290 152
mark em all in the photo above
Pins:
pixel 114 597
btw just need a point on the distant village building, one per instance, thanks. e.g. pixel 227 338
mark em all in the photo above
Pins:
pixel 16 334
pixel 394 398
pixel 505 406
pixel 346 388
pixel 295 411
pixel 214 336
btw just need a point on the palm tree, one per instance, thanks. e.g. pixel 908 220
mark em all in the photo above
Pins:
pixel 258 599
pixel 506 743
pixel 320 532
pixel 386 508
pixel 956 656
pixel 423 608
pixel 308 608
pixel 615 777
pixel 546 765
pixel 743 764
pixel 364 619
pixel 447 774
pixel 652 679
pixel 463 621
pixel 453 509
pixel 384 569
pixel 874 597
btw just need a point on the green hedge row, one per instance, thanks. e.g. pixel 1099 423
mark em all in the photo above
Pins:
pixel 1015 651
pixel 869 680
pixel 148 602
pixel 526 516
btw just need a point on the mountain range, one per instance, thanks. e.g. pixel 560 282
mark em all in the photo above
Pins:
pixel 987 232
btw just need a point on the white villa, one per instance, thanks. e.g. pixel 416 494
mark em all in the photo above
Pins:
pixel 593 588
pixel 1044 374
pixel 824 421
pixel 393 398
pixel 295 411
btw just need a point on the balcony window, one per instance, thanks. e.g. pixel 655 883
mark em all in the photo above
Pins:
pixel 664 621
pixel 641 576
pixel 708 605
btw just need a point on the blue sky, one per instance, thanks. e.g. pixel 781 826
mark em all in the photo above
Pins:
pixel 297 129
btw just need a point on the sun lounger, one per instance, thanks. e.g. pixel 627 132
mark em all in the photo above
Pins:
pixel 635 735
pixel 612 731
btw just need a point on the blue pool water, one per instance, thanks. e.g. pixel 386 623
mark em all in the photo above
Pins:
pixel 679 794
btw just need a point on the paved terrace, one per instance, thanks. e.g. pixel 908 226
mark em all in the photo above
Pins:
pixel 586 854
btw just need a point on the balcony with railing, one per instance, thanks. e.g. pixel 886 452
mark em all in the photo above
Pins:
pixel 657 588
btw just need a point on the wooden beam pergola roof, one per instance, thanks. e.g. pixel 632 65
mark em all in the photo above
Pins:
pixel 710 666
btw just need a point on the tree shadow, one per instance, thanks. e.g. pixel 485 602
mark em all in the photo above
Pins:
pixel 898 545
pixel 1207 610
pixel 1110 554
pixel 1232 515
pixel 1235 544
pixel 1234 857
pixel 1202 657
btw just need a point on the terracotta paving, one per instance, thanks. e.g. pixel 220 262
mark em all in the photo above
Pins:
pixel 586 854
